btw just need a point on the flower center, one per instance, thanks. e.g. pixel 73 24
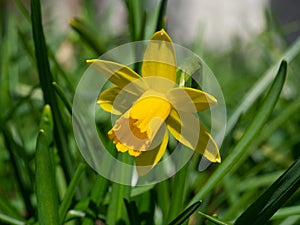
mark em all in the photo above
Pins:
pixel 135 130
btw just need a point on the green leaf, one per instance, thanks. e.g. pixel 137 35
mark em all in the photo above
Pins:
pixel 46 189
pixel 46 123
pixel 135 19
pixel 177 198
pixel 273 198
pixel 253 130
pixel 63 97
pixel 163 198
pixel 161 20
pixel 185 214
pixel 46 80
pixel 116 209
pixel 132 211
pixel 66 202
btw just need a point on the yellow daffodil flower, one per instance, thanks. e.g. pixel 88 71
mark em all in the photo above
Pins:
pixel 151 104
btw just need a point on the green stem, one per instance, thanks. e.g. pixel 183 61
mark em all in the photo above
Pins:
pixel 66 202
pixel 176 204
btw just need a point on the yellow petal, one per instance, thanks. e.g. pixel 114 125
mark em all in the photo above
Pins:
pixel 135 130
pixel 116 100
pixel 127 137
pixel 190 99
pixel 118 74
pixel 159 58
pixel 147 160
pixel 183 129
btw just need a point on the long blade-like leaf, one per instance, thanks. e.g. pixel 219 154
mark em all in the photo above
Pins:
pixel 186 214
pixel 273 198
pixel 47 196
pixel 132 212
pixel 250 134
pixel 46 80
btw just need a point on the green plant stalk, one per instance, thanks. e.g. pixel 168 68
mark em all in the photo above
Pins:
pixel 116 209
pixel 101 184
pixel 176 203
pixel 163 198
pixel 132 212
pixel 46 80
pixel 66 202
pixel 46 189
pixel 99 189
pixel 135 19
pixel 182 217
pixel 63 97
pixel 249 136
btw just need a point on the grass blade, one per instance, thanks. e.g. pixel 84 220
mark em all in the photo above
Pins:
pixel 132 212
pixel 116 209
pixel 249 136
pixel 178 187
pixel 273 198
pixel 66 202
pixel 46 80
pixel 63 97
pixel 47 196
pixel 161 20
pixel 135 19
pixel 185 214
